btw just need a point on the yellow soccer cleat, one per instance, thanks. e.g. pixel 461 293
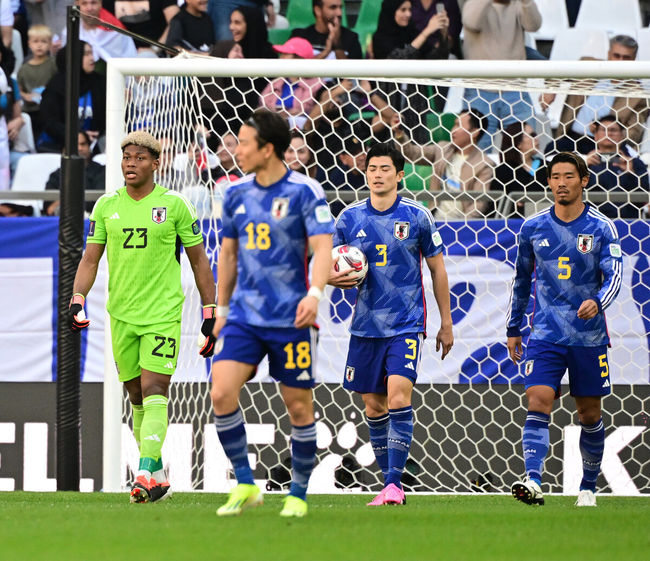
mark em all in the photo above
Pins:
pixel 243 496
pixel 294 507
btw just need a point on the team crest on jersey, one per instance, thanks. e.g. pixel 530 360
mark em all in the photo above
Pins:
pixel 585 243
pixel 401 230
pixel 159 214
pixel 280 208
pixel 528 369
pixel 349 373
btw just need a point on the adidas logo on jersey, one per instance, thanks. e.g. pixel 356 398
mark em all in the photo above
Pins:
pixel 114 217
pixel 361 234
pixel 544 243
pixel 170 364
pixel 606 384
pixel 153 437
pixel 409 365
pixel 241 209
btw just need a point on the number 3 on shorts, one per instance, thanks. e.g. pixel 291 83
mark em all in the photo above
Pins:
pixel 412 344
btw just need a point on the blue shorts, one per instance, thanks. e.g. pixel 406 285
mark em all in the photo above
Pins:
pixel 588 367
pixel 372 360
pixel 291 351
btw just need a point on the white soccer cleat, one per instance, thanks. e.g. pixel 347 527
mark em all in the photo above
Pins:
pixel 527 491
pixel 586 498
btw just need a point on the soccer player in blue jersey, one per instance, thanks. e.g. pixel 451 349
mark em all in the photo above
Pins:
pixel 389 322
pixel 574 253
pixel 265 306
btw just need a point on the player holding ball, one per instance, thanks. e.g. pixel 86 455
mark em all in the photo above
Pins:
pixel 389 322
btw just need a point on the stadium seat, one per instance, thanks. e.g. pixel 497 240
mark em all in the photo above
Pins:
pixel 416 178
pixel 573 44
pixel 32 173
pixel 367 22
pixel 279 36
pixel 300 14
pixel 554 19
pixel 440 125
pixel 643 38
pixel 613 16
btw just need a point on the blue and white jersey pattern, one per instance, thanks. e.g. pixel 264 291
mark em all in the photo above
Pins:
pixel 272 225
pixel 571 262
pixel 391 299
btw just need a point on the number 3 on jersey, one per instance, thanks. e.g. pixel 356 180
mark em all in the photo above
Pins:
pixel 258 236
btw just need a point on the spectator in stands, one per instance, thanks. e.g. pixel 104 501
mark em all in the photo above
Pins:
pixel 293 97
pixel 327 35
pixel 11 120
pixel 521 167
pixel 104 42
pixel 6 22
pixel 48 12
pixel 494 30
pixel 273 18
pixel 614 166
pixel 396 37
pixel 579 112
pixel 235 98
pixel 421 13
pixel 34 74
pixel 94 174
pixel 459 165
pixel 220 11
pixel 226 154
pixel 150 19
pixel 299 156
pixel 191 29
pixel 92 103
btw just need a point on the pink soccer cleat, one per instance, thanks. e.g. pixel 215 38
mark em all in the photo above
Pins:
pixel 379 500
pixel 393 495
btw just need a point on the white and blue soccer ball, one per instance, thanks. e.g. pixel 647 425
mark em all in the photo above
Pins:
pixel 348 257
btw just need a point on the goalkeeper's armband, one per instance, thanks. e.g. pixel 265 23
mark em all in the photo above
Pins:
pixel 76 314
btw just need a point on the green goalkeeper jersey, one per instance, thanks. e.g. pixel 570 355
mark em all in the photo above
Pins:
pixel 142 241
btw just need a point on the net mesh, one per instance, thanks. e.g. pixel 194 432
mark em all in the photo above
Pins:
pixel 469 408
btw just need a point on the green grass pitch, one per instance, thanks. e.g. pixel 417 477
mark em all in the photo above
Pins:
pixel 75 526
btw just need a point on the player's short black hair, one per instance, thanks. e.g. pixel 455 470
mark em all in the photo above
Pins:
pixel 271 128
pixel 386 149
pixel 569 158
pixel 477 121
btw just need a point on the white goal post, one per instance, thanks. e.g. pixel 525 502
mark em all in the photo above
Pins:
pixel 470 410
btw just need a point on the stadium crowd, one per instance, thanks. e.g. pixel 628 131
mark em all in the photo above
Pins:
pixel 488 141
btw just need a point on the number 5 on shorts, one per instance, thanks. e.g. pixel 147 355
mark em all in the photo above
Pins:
pixel 602 361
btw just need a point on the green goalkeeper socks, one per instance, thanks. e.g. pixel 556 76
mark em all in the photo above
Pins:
pixel 152 431
pixel 138 415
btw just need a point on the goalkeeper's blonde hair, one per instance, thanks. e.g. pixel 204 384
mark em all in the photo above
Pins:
pixel 144 139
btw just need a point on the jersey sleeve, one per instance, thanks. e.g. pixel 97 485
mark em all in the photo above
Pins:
pixel 430 240
pixel 340 230
pixel 316 212
pixel 97 228
pixel 611 267
pixel 521 284
pixel 227 223
pixel 188 227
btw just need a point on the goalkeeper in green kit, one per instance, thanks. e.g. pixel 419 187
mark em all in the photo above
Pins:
pixel 142 226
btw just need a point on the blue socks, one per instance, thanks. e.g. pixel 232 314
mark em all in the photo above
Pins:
pixel 379 440
pixel 232 435
pixel 400 434
pixel 303 458
pixel 592 444
pixel 535 444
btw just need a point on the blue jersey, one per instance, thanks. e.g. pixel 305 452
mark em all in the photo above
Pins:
pixel 391 299
pixel 272 225
pixel 572 262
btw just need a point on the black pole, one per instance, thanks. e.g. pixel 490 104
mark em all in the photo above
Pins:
pixel 71 228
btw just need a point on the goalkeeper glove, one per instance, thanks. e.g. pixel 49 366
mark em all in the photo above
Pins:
pixel 76 313
pixel 206 339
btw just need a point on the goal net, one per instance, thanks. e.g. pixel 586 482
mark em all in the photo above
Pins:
pixel 469 409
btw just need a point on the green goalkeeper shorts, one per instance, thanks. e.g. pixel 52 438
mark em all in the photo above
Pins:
pixel 150 347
